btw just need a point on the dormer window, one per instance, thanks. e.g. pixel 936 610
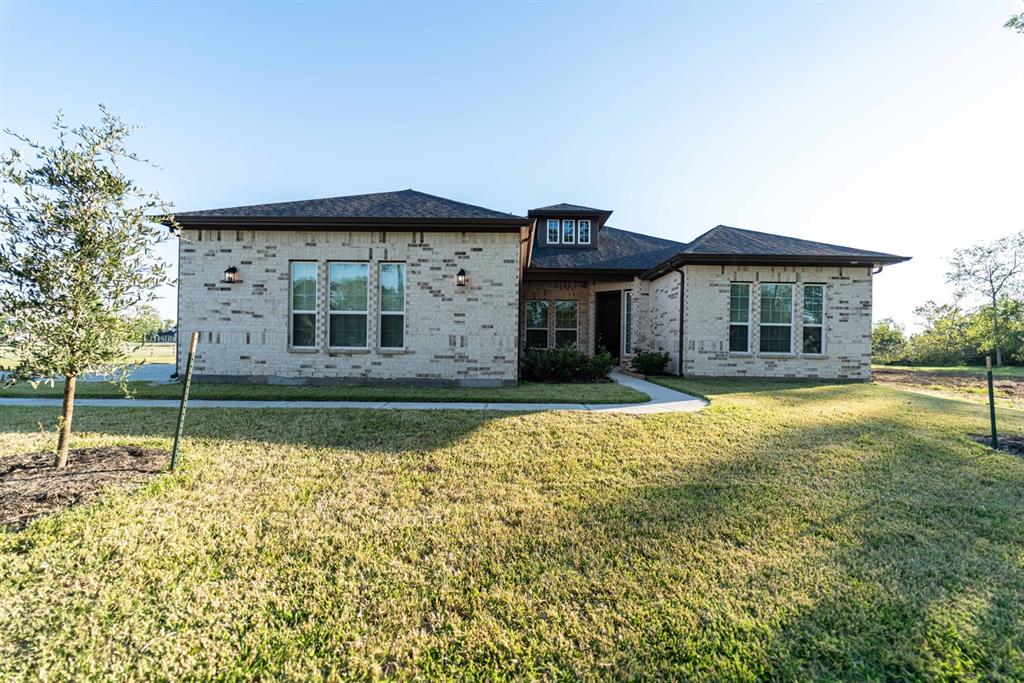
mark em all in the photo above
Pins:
pixel 584 229
pixel 553 231
pixel 568 232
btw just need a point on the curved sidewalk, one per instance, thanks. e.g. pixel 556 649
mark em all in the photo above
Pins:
pixel 663 400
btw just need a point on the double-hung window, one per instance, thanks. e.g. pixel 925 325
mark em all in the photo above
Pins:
pixel 776 318
pixel 536 324
pixel 739 317
pixel 348 300
pixel 584 232
pixel 392 305
pixel 568 232
pixel 553 225
pixel 566 323
pixel 814 319
pixel 303 304
pixel 627 322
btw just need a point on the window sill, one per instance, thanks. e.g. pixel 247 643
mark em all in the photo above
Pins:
pixel 815 356
pixel 393 352
pixel 741 354
pixel 773 354
pixel 346 351
pixel 303 349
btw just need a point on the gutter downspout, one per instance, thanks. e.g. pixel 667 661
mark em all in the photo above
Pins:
pixel 682 320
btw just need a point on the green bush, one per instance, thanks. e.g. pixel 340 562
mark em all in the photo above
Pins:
pixel 566 365
pixel 650 362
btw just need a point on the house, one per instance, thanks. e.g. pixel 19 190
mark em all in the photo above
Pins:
pixel 407 287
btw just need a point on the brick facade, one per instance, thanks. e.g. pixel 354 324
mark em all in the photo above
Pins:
pixel 453 335
pixel 847 353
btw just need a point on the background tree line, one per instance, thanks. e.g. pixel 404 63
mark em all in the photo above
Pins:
pixel 991 276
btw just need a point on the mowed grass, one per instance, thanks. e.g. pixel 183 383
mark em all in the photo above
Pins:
pixel 525 392
pixel 788 531
pixel 148 353
pixel 998 371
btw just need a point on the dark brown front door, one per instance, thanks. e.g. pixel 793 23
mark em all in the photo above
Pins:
pixel 609 323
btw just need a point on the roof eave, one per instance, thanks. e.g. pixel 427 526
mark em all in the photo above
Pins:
pixel 511 223
pixel 534 213
pixel 864 260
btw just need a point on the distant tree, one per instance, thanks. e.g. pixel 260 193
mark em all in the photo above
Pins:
pixel 1016 23
pixel 945 339
pixel 77 257
pixel 990 271
pixel 888 341
pixel 147 322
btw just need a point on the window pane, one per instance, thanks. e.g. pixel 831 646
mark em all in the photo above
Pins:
pixel 738 338
pixel 584 232
pixel 565 338
pixel 812 340
pixel 553 231
pixel 348 286
pixel 568 232
pixel 392 331
pixel 303 286
pixel 777 304
pixel 348 330
pixel 739 303
pixel 303 329
pixel 536 339
pixel 537 314
pixel 392 287
pixel 775 339
pixel 565 314
pixel 814 304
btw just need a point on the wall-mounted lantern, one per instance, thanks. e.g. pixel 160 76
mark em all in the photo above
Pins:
pixel 460 278
pixel 231 276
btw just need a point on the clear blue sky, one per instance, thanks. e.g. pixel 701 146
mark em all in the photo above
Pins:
pixel 890 126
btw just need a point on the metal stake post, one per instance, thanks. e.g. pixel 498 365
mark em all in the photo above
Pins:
pixel 184 399
pixel 991 401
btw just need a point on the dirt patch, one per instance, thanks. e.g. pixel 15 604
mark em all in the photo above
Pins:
pixel 1010 443
pixel 31 486
pixel 957 382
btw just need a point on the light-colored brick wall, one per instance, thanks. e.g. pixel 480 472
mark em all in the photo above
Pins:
pixel 465 335
pixel 847 353
pixel 656 324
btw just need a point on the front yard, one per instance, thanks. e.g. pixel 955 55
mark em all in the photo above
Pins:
pixel 788 531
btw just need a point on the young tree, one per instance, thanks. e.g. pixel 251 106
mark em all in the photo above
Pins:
pixel 1015 23
pixel 990 271
pixel 77 257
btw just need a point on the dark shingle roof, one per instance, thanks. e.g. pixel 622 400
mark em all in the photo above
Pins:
pixel 568 208
pixel 724 240
pixel 403 204
pixel 616 250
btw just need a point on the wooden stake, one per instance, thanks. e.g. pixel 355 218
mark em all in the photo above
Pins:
pixel 184 398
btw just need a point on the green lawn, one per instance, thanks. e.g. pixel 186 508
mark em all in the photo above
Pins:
pixel 789 531
pixel 149 353
pixel 526 392
pixel 1001 371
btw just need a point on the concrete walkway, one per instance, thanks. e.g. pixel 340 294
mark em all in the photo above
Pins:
pixel 663 400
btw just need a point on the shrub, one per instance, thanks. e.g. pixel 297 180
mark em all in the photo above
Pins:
pixel 566 365
pixel 650 362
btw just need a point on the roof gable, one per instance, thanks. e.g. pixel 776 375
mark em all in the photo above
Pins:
pixel 569 209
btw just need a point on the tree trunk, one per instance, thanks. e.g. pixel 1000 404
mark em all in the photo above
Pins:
pixel 995 331
pixel 64 437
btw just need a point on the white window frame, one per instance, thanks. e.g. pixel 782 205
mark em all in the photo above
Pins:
pixel 579 231
pixel 380 304
pixel 750 315
pixel 575 328
pixel 292 311
pixel 627 320
pixel 557 225
pixel 546 328
pixel 331 312
pixel 824 304
pixel 792 319
pixel 570 237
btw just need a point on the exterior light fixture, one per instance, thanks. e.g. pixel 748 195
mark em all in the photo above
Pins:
pixel 460 278
pixel 230 275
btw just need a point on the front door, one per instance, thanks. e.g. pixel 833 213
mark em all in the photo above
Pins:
pixel 609 323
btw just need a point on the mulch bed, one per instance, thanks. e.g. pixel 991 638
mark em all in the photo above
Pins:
pixel 1010 443
pixel 31 486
